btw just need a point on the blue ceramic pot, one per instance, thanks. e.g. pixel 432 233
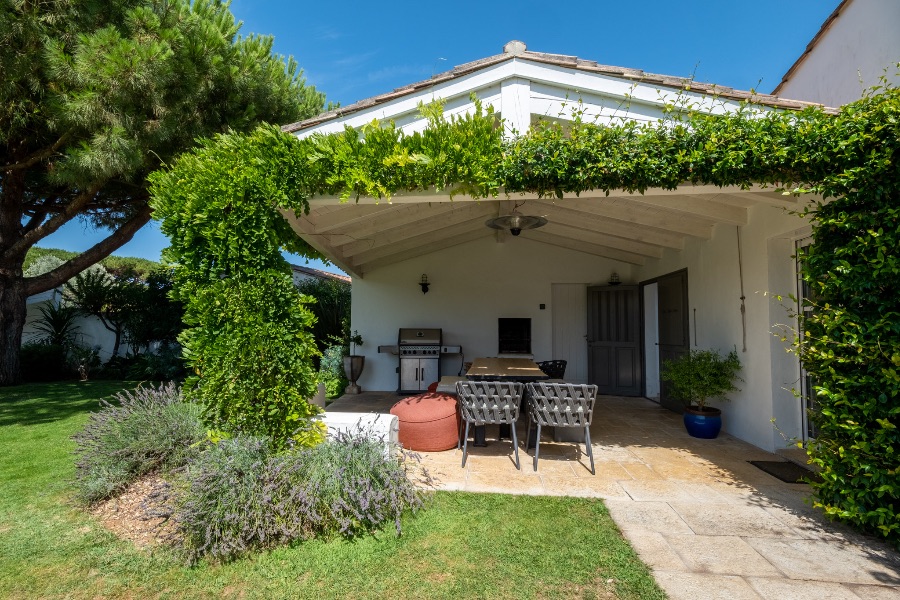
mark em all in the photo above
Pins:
pixel 704 423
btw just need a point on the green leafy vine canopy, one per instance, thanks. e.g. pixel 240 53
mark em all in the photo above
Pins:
pixel 248 340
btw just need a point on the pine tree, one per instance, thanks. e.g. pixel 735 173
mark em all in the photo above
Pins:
pixel 95 95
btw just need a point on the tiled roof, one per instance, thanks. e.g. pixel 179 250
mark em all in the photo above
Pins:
pixel 517 50
pixel 319 273
pixel 812 44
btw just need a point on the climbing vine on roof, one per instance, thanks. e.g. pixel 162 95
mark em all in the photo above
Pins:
pixel 247 340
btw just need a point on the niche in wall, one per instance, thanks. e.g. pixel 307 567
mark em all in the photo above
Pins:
pixel 514 336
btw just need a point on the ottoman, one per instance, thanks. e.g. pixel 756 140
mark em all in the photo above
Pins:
pixel 428 422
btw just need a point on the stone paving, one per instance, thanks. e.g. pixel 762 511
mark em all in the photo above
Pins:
pixel 708 523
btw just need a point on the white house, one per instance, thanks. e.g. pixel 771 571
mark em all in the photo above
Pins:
pixel 856 45
pixel 698 267
pixel 300 273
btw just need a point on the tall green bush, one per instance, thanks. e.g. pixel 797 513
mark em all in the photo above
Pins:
pixel 248 341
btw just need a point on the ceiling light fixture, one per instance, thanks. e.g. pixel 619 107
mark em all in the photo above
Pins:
pixel 515 222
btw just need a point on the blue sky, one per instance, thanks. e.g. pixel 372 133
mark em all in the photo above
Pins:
pixel 352 50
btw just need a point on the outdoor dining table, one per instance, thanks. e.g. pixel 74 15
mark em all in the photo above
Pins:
pixel 521 370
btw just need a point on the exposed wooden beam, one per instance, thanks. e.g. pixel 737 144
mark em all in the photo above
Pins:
pixel 565 214
pixel 403 215
pixel 344 215
pixel 305 229
pixel 620 209
pixel 423 241
pixel 601 239
pixel 695 206
pixel 430 229
pixel 433 246
pixel 595 249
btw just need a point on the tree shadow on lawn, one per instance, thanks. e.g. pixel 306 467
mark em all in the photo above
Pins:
pixel 37 403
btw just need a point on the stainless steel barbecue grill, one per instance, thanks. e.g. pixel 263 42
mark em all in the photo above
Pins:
pixel 420 359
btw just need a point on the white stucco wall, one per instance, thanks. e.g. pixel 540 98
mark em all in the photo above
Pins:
pixel 91 332
pixel 472 285
pixel 851 55
pixel 769 372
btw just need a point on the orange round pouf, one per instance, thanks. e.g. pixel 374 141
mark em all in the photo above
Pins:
pixel 428 422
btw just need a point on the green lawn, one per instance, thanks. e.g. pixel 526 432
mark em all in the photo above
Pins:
pixel 461 546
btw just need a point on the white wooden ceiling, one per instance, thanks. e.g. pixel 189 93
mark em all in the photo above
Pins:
pixel 366 235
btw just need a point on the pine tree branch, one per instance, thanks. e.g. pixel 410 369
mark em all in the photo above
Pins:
pixel 61 218
pixel 97 252
pixel 37 156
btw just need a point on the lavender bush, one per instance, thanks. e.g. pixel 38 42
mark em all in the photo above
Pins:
pixel 139 432
pixel 239 496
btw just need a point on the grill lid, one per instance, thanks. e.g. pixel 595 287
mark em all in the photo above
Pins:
pixel 419 337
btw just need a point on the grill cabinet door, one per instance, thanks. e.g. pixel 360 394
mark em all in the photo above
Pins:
pixel 409 375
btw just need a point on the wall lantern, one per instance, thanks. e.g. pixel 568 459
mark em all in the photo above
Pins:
pixel 424 283
pixel 614 279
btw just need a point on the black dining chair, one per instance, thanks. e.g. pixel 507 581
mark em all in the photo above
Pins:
pixel 561 405
pixel 554 369
pixel 489 403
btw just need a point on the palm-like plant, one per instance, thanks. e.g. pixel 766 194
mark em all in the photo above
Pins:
pixel 57 324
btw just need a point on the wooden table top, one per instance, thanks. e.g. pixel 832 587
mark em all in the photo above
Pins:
pixel 514 369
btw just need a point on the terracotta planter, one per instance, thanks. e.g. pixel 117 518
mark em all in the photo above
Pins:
pixel 705 423
pixel 353 368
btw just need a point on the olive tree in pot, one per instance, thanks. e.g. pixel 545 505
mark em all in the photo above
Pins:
pixel 697 377
pixel 353 364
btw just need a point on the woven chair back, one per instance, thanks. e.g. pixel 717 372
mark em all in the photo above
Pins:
pixel 562 404
pixel 489 402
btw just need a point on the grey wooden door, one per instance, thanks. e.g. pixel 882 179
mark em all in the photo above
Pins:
pixel 674 327
pixel 614 330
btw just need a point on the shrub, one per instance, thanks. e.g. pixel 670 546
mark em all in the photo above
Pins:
pixel 142 431
pixel 43 362
pixel 166 364
pixel 700 375
pixel 240 496
pixel 252 369
pixel 331 371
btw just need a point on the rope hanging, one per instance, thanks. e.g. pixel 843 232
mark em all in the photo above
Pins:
pixel 737 229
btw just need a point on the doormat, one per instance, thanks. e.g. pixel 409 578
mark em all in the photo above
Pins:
pixel 787 471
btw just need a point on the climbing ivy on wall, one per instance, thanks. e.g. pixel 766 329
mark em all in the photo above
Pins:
pixel 220 206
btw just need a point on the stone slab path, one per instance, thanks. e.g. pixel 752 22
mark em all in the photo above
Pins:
pixel 709 524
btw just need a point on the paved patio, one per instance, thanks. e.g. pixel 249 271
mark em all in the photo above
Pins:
pixel 707 522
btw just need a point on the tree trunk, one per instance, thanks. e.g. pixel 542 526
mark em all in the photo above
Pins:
pixel 12 319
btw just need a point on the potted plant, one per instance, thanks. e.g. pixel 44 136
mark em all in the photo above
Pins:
pixel 353 364
pixel 697 377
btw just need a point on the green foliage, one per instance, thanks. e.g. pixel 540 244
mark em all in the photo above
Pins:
pixel 248 342
pixel 701 375
pixel 138 432
pixel 56 325
pixel 111 299
pixel 94 96
pixel 331 309
pixel 849 159
pixel 852 337
pixel 253 370
pixel 331 371
pixel 153 316
pixel 41 260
